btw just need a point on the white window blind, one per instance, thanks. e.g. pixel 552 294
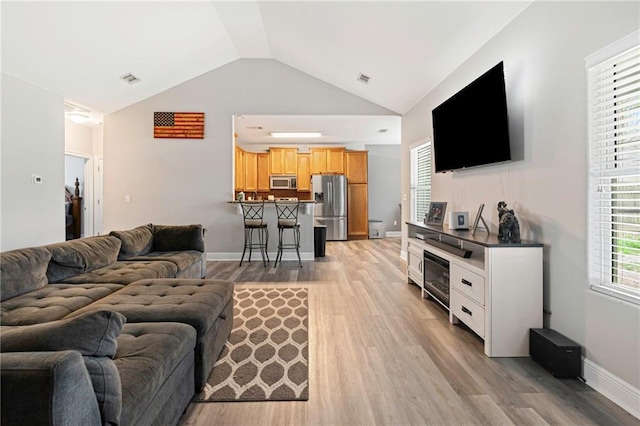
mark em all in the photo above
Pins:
pixel 614 188
pixel 420 180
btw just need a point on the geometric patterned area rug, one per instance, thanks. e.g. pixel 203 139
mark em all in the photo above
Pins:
pixel 267 355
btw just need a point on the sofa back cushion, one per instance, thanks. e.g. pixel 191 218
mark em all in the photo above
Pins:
pixel 79 256
pixel 91 334
pixel 135 242
pixel 23 271
pixel 177 238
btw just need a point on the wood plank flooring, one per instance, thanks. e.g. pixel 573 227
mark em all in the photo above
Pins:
pixel 380 354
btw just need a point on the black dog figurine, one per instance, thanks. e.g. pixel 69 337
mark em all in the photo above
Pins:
pixel 508 227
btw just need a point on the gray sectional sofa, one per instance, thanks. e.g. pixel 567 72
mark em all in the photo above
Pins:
pixel 117 329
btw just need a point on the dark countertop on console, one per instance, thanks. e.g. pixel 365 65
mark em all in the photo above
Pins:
pixel 480 238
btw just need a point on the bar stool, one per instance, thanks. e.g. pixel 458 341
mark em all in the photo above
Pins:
pixel 252 213
pixel 288 219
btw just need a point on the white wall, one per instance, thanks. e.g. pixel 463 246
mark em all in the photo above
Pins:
pixel 32 144
pixel 78 139
pixel 543 50
pixel 190 181
pixel 384 185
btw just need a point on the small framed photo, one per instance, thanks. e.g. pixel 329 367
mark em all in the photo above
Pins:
pixel 435 214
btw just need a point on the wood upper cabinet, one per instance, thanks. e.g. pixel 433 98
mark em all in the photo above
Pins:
pixel 283 161
pixel 318 160
pixel 327 160
pixel 304 172
pixel 263 172
pixel 335 160
pixel 357 211
pixel 240 166
pixel 250 171
pixel 357 169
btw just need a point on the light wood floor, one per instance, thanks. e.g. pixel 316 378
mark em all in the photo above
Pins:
pixel 380 354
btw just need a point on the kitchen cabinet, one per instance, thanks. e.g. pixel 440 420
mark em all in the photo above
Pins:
pixel 264 184
pixel 304 172
pixel 318 160
pixel 239 164
pixel 357 166
pixel 357 211
pixel 250 171
pixel 283 161
pixel 327 160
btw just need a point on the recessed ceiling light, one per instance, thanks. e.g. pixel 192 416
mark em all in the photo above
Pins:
pixel 363 78
pixel 296 134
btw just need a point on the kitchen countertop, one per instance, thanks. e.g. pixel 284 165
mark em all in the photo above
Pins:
pixel 270 201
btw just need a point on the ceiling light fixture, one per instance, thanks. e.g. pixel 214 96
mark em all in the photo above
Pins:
pixel 78 117
pixel 296 134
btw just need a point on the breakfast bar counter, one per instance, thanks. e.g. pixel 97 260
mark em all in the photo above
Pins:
pixel 305 219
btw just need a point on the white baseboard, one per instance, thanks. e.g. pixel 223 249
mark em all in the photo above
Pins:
pixel 614 388
pixel 393 234
pixel 229 256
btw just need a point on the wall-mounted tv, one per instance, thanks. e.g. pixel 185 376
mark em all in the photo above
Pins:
pixel 471 128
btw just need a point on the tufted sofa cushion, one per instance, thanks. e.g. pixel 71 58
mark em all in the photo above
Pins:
pixel 74 257
pixel 196 302
pixel 126 272
pixel 22 271
pixel 149 356
pixel 135 242
pixel 182 259
pixel 52 302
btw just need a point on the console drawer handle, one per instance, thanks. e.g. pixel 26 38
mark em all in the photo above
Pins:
pixel 465 282
pixel 466 311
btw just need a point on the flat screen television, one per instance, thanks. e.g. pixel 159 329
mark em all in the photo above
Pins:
pixel 472 128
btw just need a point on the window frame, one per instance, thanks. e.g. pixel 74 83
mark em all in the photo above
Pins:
pixel 602 247
pixel 413 187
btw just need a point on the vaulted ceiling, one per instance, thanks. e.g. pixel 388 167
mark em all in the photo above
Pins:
pixel 80 49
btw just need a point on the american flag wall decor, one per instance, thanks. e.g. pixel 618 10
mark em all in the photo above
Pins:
pixel 180 125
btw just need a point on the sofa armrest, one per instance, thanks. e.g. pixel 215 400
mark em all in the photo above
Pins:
pixel 178 237
pixel 46 388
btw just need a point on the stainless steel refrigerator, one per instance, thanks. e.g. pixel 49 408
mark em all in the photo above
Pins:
pixel 330 195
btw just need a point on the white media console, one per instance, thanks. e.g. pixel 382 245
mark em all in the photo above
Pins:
pixel 496 292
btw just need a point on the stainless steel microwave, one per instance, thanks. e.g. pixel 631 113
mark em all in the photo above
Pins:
pixel 283 182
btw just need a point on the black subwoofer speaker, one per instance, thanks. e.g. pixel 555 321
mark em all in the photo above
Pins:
pixel 555 352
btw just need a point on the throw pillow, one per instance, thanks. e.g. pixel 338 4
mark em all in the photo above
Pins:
pixel 91 334
pixel 177 238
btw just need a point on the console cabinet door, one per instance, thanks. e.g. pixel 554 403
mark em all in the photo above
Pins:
pixel 264 185
pixel 415 257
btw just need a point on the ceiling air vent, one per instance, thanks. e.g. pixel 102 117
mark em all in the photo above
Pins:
pixel 254 127
pixel 130 78
pixel 383 130
pixel 363 78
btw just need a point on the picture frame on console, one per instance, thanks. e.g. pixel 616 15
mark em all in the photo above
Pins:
pixel 435 213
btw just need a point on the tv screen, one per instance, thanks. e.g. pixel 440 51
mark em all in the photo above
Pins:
pixel 471 128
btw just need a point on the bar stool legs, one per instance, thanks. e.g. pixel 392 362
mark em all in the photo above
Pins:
pixel 288 219
pixel 263 243
pixel 253 220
